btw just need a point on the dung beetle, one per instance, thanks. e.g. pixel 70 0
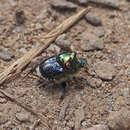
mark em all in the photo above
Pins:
pixel 59 67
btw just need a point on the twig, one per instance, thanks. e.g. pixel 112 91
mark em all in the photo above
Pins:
pixel 38 115
pixel 18 66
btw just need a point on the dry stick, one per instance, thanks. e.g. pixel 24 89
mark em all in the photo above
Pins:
pixel 17 67
pixel 11 98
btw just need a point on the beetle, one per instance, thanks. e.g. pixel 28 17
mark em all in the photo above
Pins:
pixel 60 67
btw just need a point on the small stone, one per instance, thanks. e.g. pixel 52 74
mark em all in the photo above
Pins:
pixel 120 100
pixel 94 83
pixel 92 19
pixel 63 4
pixel 23 50
pixel 104 70
pixel 43 14
pixel 3 119
pixel 99 32
pixel 73 47
pixel 39 26
pixel 70 124
pixel 22 117
pixel 48 25
pixel 97 45
pixel 63 43
pixel 126 92
pixel 108 3
pixel 83 2
pixel 79 117
pixel 119 120
pixel 90 42
pixel 84 123
pixel 44 54
pixel 67 117
pixel 60 38
pixel 3 100
pixel 53 48
pixel 98 127
pixel 5 55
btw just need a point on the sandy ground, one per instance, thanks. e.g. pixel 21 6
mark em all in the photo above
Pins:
pixel 98 95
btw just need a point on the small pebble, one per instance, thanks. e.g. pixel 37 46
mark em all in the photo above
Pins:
pixel 126 92
pixel 23 50
pixel 48 25
pixel 70 124
pixel 108 3
pixel 3 100
pixel 84 123
pixel 83 2
pixel 94 83
pixel 92 19
pixel 119 120
pixel 63 43
pixel 5 55
pixel 43 14
pixel 90 42
pixel 98 127
pixel 105 71
pixel 53 48
pixel 63 4
pixel 22 117
pixel 99 32
pixel 39 26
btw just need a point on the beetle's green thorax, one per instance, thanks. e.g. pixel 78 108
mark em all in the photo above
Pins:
pixel 70 62
pixel 65 57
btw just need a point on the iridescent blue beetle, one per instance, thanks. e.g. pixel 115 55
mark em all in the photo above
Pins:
pixel 60 67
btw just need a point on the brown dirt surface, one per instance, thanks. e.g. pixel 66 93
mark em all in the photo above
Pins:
pixel 23 22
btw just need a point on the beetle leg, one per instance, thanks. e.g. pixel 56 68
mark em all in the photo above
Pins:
pixel 41 83
pixel 63 90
